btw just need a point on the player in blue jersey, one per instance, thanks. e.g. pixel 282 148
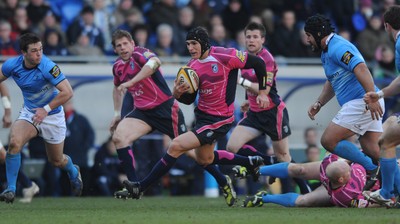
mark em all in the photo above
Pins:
pixel 391 128
pixel 349 79
pixel 44 89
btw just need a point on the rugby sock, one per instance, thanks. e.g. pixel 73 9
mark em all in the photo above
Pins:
pixel 287 200
pixel 70 168
pixel 224 157
pixel 279 170
pixel 248 150
pixel 303 185
pixel 348 150
pixel 24 180
pixel 217 174
pixel 397 181
pixel 161 168
pixel 125 156
pixel 13 163
pixel 388 167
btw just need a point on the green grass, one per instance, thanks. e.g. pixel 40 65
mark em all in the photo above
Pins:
pixel 174 210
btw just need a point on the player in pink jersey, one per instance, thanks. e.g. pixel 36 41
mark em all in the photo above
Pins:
pixel 137 70
pixel 342 184
pixel 272 120
pixel 216 68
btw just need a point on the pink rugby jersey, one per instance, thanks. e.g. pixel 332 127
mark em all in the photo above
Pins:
pixel 147 93
pixel 272 69
pixel 218 79
pixel 343 195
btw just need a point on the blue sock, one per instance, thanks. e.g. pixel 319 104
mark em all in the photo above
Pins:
pixel 125 155
pixel 70 168
pixel 348 150
pixel 217 174
pixel 287 200
pixel 397 181
pixel 388 167
pixel 161 168
pixel 279 170
pixel 13 163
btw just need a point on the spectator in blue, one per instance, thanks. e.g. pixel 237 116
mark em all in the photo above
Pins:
pixel 79 141
pixel 84 25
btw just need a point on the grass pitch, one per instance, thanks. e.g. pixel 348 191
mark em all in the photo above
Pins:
pixel 175 210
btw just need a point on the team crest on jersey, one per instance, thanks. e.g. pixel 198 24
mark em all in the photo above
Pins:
pixel 240 55
pixel 55 71
pixel 347 56
pixel 132 65
pixel 214 68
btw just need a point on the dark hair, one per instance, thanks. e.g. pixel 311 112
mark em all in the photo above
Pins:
pixel 26 39
pixel 392 16
pixel 318 26
pixel 200 35
pixel 87 9
pixel 256 26
pixel 118 34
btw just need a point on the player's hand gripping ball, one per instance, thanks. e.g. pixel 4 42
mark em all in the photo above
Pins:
pixel 189 76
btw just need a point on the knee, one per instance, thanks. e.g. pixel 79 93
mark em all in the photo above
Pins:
pixel 231 147
pixel 59 163
pixel 327 144
pixel 205 160
pixel 14 146
pixel 117 138
pixel 297 170
pixel 176 149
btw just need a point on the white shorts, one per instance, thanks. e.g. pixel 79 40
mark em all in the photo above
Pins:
pixel 53 127
pixel 356 118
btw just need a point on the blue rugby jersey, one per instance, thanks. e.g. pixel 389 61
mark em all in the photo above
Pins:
pixel 37 84
pixel 339 61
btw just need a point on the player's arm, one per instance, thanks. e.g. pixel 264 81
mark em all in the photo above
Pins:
pixel 65 94
pixel 391 90
pixel 5 98
pixel 363 75
pixel 117 100
pixel 180 93
pixel 258 65
pixel 326 95
pixel 147 70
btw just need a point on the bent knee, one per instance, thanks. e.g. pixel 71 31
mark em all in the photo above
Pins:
pixel 232 147
pixel 204 161
pixel 297 170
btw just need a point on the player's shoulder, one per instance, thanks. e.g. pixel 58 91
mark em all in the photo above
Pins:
pixel 143 52
pixel 13 61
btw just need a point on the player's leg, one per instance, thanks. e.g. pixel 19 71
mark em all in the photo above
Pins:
pixel 123 138
pixel 21 132
pixel 178 146
pixel 307 171
pixel 388 162
pixel 58 159
pixel 333 140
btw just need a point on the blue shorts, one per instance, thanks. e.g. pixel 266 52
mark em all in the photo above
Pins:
pixel 209 128
pixel 166 118
pixel 273 122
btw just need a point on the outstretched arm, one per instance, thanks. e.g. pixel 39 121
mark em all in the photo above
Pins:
pixel 326 95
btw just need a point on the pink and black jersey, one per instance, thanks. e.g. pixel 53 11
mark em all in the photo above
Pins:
pixel 218 76
pixel 272 69
pixel 343 195
pixel 147 93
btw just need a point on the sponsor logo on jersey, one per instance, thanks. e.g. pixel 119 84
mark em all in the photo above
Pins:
pixel 132 65
pixel 240 55
pixel 347 56
pixel 147 54
pixel 55 71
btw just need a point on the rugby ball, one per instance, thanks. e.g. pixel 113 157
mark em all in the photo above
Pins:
pixel 189 76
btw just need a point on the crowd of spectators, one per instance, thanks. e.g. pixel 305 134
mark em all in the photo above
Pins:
pixel 84 27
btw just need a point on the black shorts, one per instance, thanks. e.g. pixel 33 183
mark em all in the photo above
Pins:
pixel 166 118
pixel 273 122
pixel 209 128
